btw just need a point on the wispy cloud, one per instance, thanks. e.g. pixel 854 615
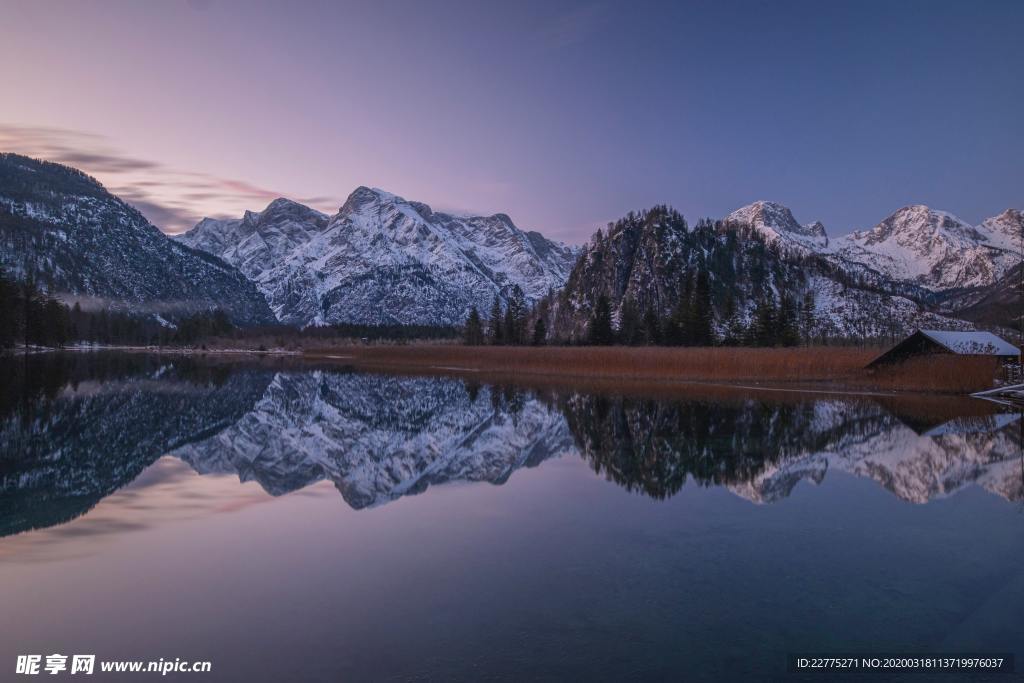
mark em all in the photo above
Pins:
pixel 173 200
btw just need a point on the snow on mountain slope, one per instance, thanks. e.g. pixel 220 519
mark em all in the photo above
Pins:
pixel 379 438
pixel 1005 231
pixel 776 223
pixel 645 258
pixel 383 260
pixel 850 312
pixel 75 239
pixel 932 249
pixel 253 242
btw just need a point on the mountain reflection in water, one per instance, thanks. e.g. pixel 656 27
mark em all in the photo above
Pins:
pixel 76 428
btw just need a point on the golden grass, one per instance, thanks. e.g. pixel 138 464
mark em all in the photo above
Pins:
pixel 837 367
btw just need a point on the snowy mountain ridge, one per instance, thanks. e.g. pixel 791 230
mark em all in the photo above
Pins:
pixel 62 229
pixel 935 249
pixel 776 223
pixel 382 260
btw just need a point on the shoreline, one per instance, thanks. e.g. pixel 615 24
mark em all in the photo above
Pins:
pixel 826 370
pixel 819 370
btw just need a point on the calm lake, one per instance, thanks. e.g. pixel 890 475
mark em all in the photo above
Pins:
pixel 294 522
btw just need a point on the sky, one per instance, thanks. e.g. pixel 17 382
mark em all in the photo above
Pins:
pixel 564 115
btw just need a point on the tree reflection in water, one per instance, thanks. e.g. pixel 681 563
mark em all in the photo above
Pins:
pixel 75 427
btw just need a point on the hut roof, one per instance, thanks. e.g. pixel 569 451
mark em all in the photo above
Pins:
pixel 972 343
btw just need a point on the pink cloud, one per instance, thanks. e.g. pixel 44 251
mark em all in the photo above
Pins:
pixel 172 199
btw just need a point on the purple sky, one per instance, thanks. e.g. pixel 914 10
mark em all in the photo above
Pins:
pixel 563 115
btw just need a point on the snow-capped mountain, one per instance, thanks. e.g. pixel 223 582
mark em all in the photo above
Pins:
pixel 643 263
pixel 776 224
pixel 934 249
pixel 998 304
pixel 254 242
pixel 61 228
pixel 1004 231
pixel 378 437
pixel 383 260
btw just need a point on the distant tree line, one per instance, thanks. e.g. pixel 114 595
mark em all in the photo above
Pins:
pixel 392 332
pixel 775 321
pixel 31 317
pixel 507 325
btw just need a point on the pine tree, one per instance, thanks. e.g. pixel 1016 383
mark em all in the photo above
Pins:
pixel 652 328
pixel 508 327
pixel 807 317
pixel 515 317
pixel 76 317
pixel 678 328
pixel 729 308
pixel 764 332
pixel 599 333
pixel 630 330
pixel 702 319
pixel 9 323
pixel 494 332
pixel 54 324
pixel 474 334
pixel 686 316
pixel 540 332
pixel 788 330
pixel 32 322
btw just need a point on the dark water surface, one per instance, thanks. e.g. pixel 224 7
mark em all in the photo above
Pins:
pixel 294 522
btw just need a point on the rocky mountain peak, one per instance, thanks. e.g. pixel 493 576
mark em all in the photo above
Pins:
pixel 282 209
pixel 383 260
pixel 776 222
pixel 929 248
pixel 816 229
pixel 919 222
pixel 1005 230
pixel 363 196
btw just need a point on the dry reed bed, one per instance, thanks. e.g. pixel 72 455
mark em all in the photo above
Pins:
pixel 838 367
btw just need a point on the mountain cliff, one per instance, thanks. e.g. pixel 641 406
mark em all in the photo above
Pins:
pixel 935 249
pixel 776 224
pixel 62 229
pixel 644 261
pixel 382 260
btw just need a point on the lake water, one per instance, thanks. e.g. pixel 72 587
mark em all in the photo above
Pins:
pixel 293 522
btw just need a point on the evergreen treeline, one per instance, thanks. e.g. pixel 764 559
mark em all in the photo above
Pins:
pixel 30 317
pixel 782 322
pixel 385 332
pixel 507 325
pixel 774 322
pixel 652 279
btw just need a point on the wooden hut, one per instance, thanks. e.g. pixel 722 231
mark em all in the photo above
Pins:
pixel 932 342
